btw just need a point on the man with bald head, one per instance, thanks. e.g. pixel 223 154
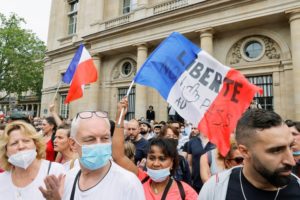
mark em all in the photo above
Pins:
pixel 98 176
pixel 140 143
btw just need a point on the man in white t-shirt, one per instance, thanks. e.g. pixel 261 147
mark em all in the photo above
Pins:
pixel 98 176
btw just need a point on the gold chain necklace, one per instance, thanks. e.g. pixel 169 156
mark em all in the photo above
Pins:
pixel 277 193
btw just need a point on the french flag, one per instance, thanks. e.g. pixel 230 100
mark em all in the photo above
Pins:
pixel 203 91
pixel 81 71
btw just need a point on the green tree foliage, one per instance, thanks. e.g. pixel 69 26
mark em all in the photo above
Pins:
pixel 21 57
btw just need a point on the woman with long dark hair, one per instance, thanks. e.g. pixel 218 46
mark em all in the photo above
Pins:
pixel 162 162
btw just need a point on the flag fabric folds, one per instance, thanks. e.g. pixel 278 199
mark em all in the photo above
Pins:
pixel 81 71
pixel 203 91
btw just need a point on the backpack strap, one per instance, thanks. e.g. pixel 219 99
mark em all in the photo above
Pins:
pixel 49 166
pixel 145 179
pixel 181 190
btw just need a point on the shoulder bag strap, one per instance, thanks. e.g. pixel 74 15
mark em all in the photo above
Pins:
pixel 167 189
pixel 49 166
pixel 145 179
pixel 181 189
pixel 74 185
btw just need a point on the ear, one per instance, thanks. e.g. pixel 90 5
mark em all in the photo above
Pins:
pixel 72 144
pixel 244 151
pixel 227 164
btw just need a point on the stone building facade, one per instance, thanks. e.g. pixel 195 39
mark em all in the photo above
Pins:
pixel 260 38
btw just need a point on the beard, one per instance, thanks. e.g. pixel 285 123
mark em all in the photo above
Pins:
pixel 143 132
pixel 273 177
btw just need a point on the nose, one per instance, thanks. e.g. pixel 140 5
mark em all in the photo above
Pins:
pixel 21 145
pixel 156 163
pixel 289 158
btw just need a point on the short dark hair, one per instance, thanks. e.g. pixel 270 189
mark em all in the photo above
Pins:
pixel 253 120
pixel 168 148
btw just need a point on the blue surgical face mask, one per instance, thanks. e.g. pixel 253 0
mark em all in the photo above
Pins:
pixel 296 153
pixel 158 175
pixel 95 156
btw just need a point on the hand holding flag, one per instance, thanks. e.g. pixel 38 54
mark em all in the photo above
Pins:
pixel 201 89
pixel 81 71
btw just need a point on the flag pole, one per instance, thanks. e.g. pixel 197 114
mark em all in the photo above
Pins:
pixel 56 91
pixel 122 111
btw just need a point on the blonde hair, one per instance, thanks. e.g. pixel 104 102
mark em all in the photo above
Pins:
pixel 29 131
pixel 129 150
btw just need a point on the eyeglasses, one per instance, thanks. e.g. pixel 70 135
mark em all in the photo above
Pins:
pixel 289 123
pixel 89 114
pixel 238 160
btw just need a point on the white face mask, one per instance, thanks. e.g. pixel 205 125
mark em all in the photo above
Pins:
pixel 158 175
pixel 23 158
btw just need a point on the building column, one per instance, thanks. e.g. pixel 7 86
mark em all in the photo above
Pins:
pixel 206 40
pixel 38 111
pixel 140 93
pixel 294 18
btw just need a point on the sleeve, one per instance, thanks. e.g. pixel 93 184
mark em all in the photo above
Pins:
pixel 207 191
pixel 141 174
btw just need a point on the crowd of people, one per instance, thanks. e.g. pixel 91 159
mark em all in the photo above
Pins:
pixel 94 157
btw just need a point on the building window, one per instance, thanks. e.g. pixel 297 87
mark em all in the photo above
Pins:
pixel 73 16
pixel 63 108
pixel 131 102
pixel 126 6
pixel 253 49
pixel 266 83
pixel 126 68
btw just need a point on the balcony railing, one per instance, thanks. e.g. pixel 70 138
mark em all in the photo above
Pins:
pixel 118 21
pixel 168 6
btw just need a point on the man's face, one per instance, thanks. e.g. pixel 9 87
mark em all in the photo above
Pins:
pixel 270 155
pixel 144 129
pixel 133 130
pixel 157 130
pixel 92 130
pixel 194 131
pixel 296 135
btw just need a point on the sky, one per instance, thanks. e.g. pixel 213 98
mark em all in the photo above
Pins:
pixel 35 12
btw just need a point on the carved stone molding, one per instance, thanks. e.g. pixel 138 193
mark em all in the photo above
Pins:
pixel 270 50
pixel 117 73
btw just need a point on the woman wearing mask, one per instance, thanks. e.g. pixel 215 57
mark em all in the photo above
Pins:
pixel 182 172
pixel 49 129
pixel 162 160
pixel 22 151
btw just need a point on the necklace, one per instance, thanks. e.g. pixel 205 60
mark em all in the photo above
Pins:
pixel 154 189
pixel 277 193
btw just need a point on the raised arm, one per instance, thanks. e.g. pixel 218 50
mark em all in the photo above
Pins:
pixel 55 115
pixel 118 140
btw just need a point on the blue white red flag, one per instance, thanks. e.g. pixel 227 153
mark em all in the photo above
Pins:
pixel 203 91
pixel 81 71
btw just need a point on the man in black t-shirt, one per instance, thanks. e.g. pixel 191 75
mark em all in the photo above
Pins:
pixel 141 144
pixel 265 143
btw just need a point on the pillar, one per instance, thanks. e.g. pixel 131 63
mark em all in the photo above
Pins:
pixel 206 40
pixel 294 19
pixel 140 93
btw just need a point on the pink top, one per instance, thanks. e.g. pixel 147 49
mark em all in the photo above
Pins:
pixel 173 194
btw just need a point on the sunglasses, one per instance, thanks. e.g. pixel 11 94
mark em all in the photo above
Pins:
pixel 238 160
